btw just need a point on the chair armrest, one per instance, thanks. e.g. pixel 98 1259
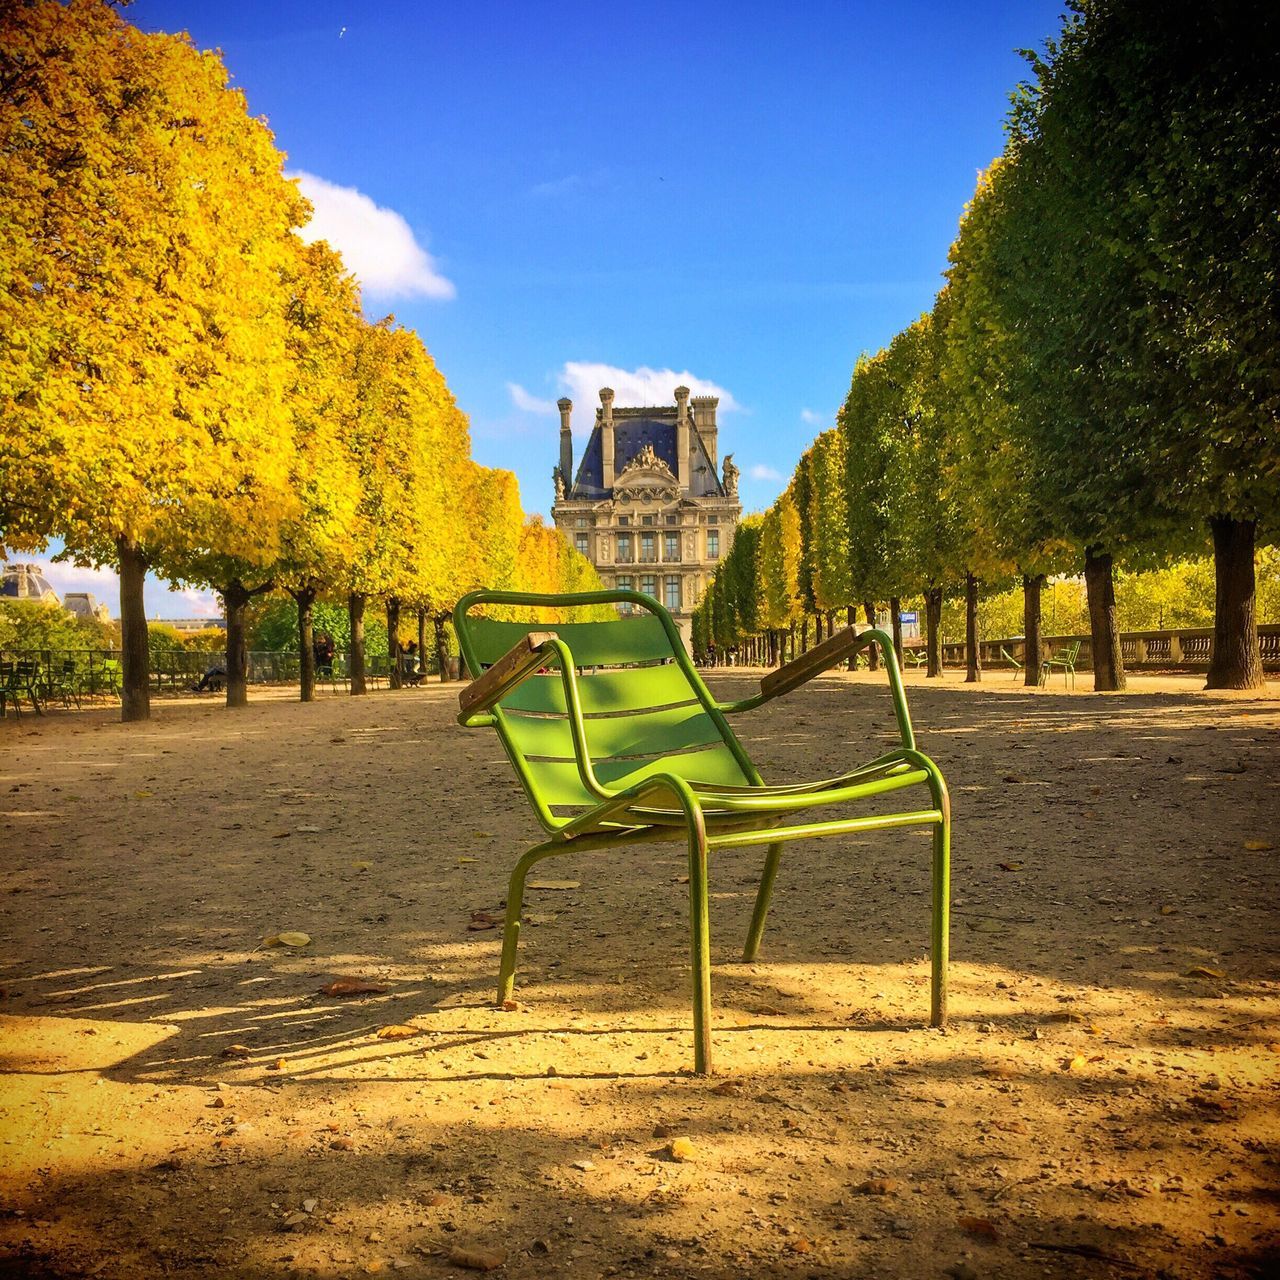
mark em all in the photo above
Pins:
pixel 836 648
pixel 519 662
pixel 844 644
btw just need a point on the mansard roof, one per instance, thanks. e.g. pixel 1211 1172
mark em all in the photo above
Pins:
pixel 630 435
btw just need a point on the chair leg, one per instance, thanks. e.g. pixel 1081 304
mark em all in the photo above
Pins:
pixel 940 934
pixel 511 930
pixel 763 896
pixel 700 951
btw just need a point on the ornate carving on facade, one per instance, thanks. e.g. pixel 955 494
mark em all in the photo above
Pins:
pixel 647 460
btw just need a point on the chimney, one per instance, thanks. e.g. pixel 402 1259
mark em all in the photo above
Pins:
pixel 682 438
pixel 566 442
pixel 704 417
pixel 606 436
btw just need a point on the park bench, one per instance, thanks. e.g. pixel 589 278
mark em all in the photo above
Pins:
pixel 617 741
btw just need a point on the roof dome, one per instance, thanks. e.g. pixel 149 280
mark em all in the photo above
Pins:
pixel 26 582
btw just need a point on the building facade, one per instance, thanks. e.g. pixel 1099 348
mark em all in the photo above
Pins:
pixel 650 505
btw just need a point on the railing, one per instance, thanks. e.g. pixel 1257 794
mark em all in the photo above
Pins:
pixel 1184 647
pixel 173 670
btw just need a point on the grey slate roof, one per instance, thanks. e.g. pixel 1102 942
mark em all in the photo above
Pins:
pixel 630 435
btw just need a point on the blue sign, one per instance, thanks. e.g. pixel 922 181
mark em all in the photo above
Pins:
pixel 908 618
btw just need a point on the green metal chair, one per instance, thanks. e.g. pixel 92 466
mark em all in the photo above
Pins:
pixel 1064 658
pixel 1012 661
pixel 617 741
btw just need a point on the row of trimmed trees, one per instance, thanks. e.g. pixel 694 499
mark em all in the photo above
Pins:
pixel 1098 383
pixel 189 388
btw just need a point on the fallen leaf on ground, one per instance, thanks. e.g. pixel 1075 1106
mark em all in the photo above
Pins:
pixel 683 1150
pixel 142 795
pixel 1074 1064
pixel 1009 866
pixel 982 1228
pixel 1258 846
pixel 483 920
pixel 482 835
pixel 282 835
pixel 280 1064
pixel 362 866
pixel 1203 971
pixel 462 860
pixel 1167 910
pixel 477 1259
pixel 289 938
pixel 555 884
pixel 398 1031
pixel 1001 1071
pixel 351 987
pixel 878 1187
pixel 800 1245
pixel 342 1144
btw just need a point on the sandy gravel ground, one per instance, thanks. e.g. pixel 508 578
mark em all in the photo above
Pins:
pixel 179 1099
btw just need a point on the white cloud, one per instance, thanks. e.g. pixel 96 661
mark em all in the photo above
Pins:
pixel 816 419
pixel 528 403
pixel 377 244
pixel 103 583
pixel 761 472
pixel 643 386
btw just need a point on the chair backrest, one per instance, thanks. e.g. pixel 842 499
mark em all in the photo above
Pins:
pixel 645 709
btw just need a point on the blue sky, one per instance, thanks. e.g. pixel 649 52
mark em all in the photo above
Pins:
pixel 748 195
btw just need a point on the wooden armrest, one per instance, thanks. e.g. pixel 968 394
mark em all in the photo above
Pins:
pixel 834 649
pixel 523 658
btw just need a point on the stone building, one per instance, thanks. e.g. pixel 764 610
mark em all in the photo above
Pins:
pixel 648 506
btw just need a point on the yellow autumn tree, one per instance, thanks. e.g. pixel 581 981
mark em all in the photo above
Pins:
pixel 145 227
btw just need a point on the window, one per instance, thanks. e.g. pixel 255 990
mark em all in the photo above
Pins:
pixel 581 522
pixel 671 546
pixel 649 585
pixel 646 519
pixel 648 548
pixel 624 548
pixel 625 584
pixel 624 521
pixel 713 519
pixel 673 519
pixel 580 543
pixel 673 594
pixel 713 544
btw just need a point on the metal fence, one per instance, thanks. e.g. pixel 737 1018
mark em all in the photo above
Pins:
pixel 96 671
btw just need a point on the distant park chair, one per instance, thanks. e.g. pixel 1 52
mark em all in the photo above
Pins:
pixel 617 741
pixel 1012 661
pixel 112 676
pixel 916 655
pixel 1066 660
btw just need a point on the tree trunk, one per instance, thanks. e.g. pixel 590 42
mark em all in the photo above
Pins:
pixel 851 618
pixel 442 646
pixel 973 655
pixel 873 657
pixel 235 598
pixel 804 631
pixel 1236 662
pixel 1032 588
pixel 1099 581
pixel 422 642
pixel 792 650
pixel 306 598
pixel 895 624
pixel 933 630
pixel 355 650
pixel 135 675
pixel 394 673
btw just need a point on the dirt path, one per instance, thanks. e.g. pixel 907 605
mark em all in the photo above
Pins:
pixel 179 1099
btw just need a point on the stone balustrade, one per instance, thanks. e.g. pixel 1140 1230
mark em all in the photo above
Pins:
pixel 1187 648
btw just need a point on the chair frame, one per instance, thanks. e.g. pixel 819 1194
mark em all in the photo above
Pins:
pixel 1012 661
pixel 666 806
